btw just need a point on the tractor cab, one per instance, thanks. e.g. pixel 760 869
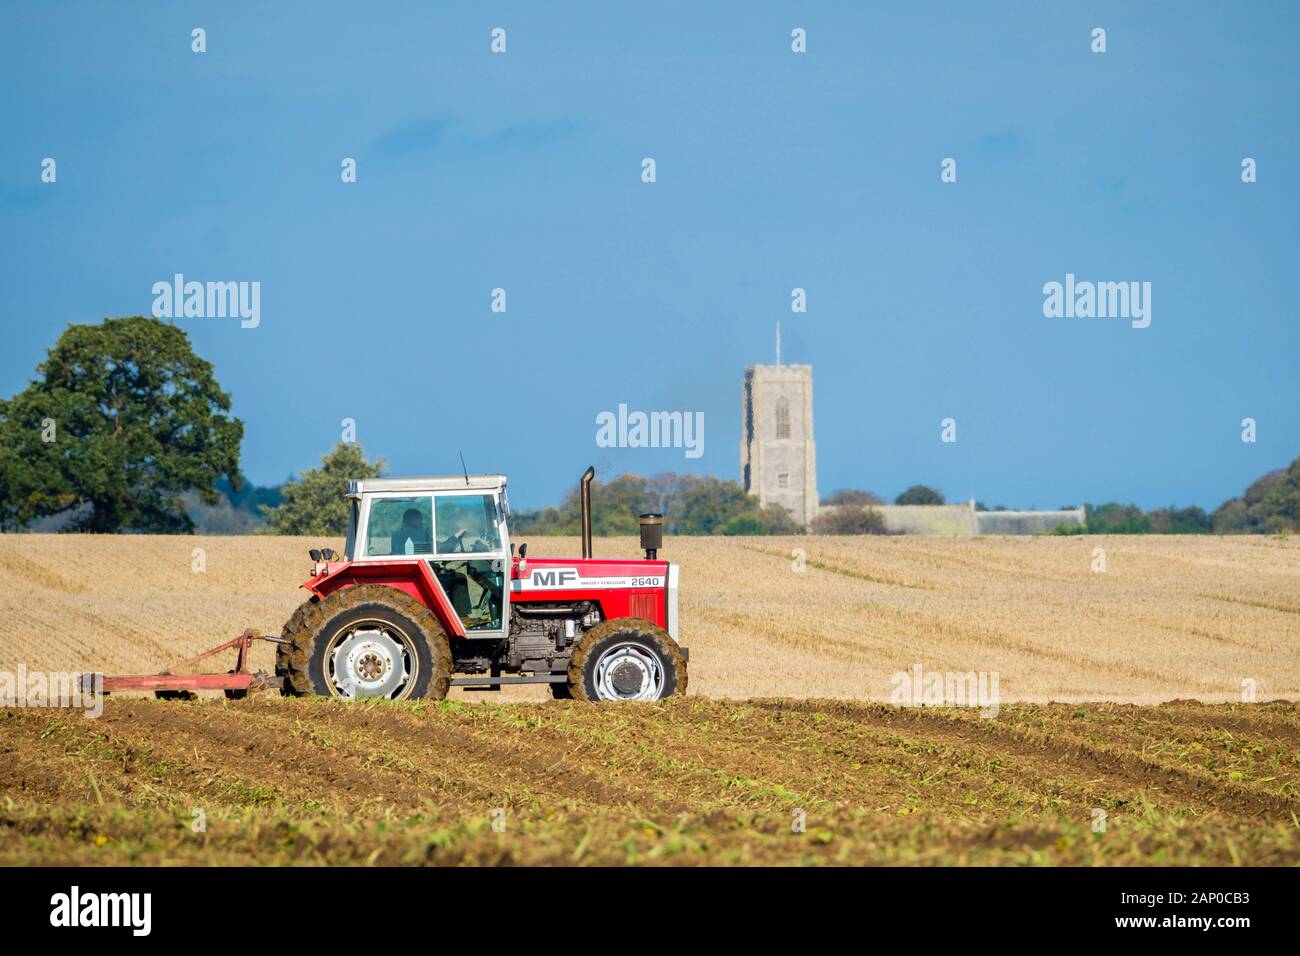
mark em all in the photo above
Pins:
pixel 457 526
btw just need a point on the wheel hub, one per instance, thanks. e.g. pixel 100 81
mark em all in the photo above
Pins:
pixel 626 678
pixel 370 666
pixel 629 672
pixel 370 662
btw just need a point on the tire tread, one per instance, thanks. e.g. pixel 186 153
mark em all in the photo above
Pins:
pixel 303 630
pixel 635 626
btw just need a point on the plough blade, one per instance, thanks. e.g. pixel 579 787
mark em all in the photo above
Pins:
pixel 236 683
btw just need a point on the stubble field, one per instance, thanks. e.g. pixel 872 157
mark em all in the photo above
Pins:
pixel 1169 617
pixel 758 765
pixel 686 781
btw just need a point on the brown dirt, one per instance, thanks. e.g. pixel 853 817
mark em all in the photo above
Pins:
pixel 686 781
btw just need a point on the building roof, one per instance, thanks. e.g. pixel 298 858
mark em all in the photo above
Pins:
pixel 429 484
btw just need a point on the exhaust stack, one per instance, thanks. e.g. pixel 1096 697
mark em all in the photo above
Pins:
pixel 584 494
pixel 652 534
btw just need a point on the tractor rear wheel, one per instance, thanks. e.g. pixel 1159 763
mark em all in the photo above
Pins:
pixel 626 659
pixel 365 641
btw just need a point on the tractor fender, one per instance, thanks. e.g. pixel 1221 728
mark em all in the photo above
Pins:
pixel 412 577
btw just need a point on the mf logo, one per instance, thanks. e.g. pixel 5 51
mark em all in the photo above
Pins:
pixel 553 577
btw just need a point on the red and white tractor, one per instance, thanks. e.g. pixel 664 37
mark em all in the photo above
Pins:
pixel 430 587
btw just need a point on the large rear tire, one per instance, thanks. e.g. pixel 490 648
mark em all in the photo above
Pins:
pixel 626 659
pixel 368 640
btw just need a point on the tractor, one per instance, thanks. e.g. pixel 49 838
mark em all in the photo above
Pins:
pixel 429 593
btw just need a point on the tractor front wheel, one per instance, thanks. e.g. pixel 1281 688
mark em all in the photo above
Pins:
pixel 365 641
pixel 626 659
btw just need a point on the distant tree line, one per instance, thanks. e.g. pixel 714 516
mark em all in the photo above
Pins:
pixel 125 428
pixel 236 511
pixel 1271 505
pixel 690 505
pixel 1115 518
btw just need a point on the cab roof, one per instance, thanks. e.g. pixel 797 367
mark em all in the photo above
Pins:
pixel 358 487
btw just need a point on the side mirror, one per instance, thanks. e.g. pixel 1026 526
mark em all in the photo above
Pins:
pixel 523 558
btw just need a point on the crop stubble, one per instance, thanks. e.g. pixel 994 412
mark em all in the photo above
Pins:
pixel 686 781
pixel 700 779
pixel 1171 617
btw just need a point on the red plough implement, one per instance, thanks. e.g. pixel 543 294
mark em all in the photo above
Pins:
pixel 175 684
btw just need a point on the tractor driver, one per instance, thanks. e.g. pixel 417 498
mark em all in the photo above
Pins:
pixel 412 537
pixel 457 543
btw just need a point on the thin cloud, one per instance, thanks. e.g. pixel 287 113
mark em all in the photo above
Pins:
pixel 441 132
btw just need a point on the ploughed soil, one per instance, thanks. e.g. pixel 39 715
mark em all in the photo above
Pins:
pixel 686 781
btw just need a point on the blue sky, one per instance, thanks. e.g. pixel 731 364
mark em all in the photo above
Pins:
pixel 774 170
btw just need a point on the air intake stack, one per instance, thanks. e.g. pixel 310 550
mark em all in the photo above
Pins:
pixel 652 534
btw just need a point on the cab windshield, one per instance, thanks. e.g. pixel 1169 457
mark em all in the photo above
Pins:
pixel 467 523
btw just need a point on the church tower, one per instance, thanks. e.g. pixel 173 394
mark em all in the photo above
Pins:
pixel 778 460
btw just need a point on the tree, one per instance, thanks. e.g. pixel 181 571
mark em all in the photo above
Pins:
pixel 1173 520
pixel 1270 504
pixel 1231 517
pixel 774 519
pixel 706 504
pixel 313 503
pixel 919 495
pixel 850 496
pixel 709 505
pixel 1115 518
pixel 248 496
pixel 615 507
pixel 689 504
pixel 743 525
pixel 237 512
pixel 122 419
pixel 849 519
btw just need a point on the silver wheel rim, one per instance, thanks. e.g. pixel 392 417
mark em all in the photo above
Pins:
pixel 629 672
pixel 372 659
